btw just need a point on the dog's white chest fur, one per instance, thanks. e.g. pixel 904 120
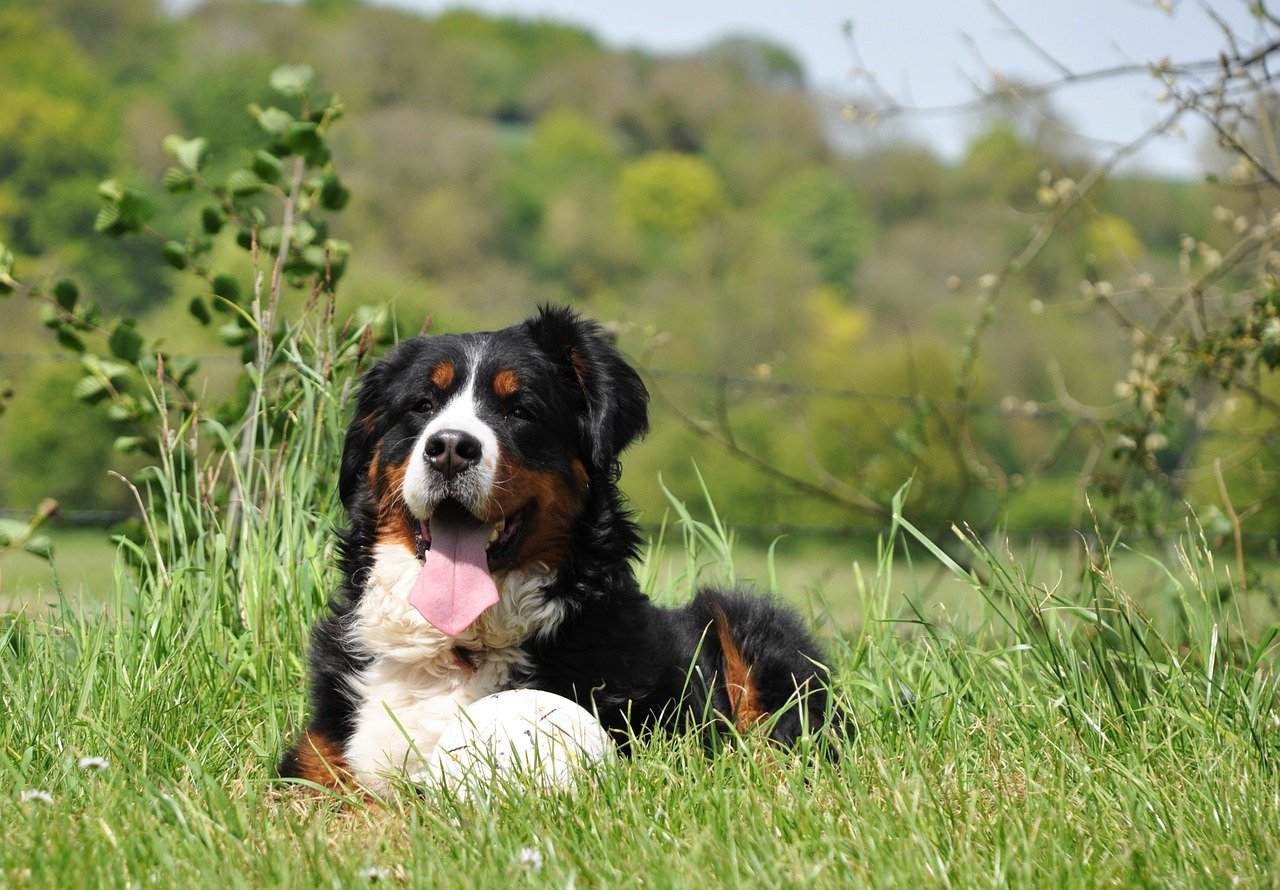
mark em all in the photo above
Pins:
pixel 416 683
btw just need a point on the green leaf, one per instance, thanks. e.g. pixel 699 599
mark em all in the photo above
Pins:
pixel 233 335
pixel 303 233
pixel 68 339
pixel 6 270
pixel 117 373
pixel 199 309
pixel 189 152
pixel 333 194
pixel 211 219
pixel 50 317
pixel 226 287
pixel 316 257
pixel 107 219
pixel 125 341
pixel 127 444
pixel 274 120
pixel 136 209
pixel 243 182
pixel 127 210
pixel 90 389
pixel 266 165
pixel 121 411
pixel 110 190
pixel 90 315
pixel 302 137
pixel 176 180
pixel 292 80
pixel 66 292
pixel 175 254
pixel 40 546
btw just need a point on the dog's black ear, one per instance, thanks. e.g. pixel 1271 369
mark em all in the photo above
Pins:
pixel 617 402
pixel 363 433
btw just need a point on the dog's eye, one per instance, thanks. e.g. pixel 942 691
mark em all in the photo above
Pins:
pixel 425 406
pixel 520 412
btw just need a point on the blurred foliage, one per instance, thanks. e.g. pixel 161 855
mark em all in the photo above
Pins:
pixel 696 203
pixel 821 211
pixel 666 193
pixel 64 449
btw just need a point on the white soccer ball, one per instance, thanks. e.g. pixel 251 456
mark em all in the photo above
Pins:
pixel 517 734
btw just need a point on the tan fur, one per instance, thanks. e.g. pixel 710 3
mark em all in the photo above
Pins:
pixel 394 526
pixel 320 760
pixel 442 375
pixel 558 500
pixel 743 698
pixel 506 383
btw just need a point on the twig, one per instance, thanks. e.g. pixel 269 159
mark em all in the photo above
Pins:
pixel 146 520
pixel 858 504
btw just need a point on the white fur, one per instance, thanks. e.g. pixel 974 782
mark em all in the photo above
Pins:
pixel 423 489
pixel 415 684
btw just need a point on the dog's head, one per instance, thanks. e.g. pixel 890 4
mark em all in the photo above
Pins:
pixel 498 434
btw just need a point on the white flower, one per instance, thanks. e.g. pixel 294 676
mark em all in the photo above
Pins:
pixel 530 857
pixel 35 795
pixel 374 873
pixel 988 281
pixel 93 764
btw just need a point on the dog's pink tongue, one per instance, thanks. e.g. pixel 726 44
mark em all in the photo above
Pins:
pixel 455 585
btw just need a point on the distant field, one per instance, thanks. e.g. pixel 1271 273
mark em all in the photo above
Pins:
pixel 823 579
pixel 84 562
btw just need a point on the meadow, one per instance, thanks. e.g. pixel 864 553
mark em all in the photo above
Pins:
pixel 1010 731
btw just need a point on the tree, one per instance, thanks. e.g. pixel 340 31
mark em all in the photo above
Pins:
pixel 669 193
pixel 821 212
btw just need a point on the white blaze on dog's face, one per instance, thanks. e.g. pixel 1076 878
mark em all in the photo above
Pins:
pixel 475 453
pixel 455 428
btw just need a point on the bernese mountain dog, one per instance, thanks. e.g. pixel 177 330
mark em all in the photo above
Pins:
pixel 489 548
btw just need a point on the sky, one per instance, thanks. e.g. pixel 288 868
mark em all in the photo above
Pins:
pixel 923 51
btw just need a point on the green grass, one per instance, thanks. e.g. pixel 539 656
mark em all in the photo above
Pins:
pixel 1053 720
pixel 1047 747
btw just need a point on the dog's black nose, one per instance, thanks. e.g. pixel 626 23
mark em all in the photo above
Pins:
pixel 451 452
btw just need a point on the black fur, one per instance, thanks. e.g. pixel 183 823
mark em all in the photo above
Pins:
pixel 639 666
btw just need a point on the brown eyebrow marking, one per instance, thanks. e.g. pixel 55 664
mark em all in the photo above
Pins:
pixel 442 375
pixel 506 383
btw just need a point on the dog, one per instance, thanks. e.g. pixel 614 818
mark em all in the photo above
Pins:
pixel 489 548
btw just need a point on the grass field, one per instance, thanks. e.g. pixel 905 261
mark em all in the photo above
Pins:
pixel 1045 738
